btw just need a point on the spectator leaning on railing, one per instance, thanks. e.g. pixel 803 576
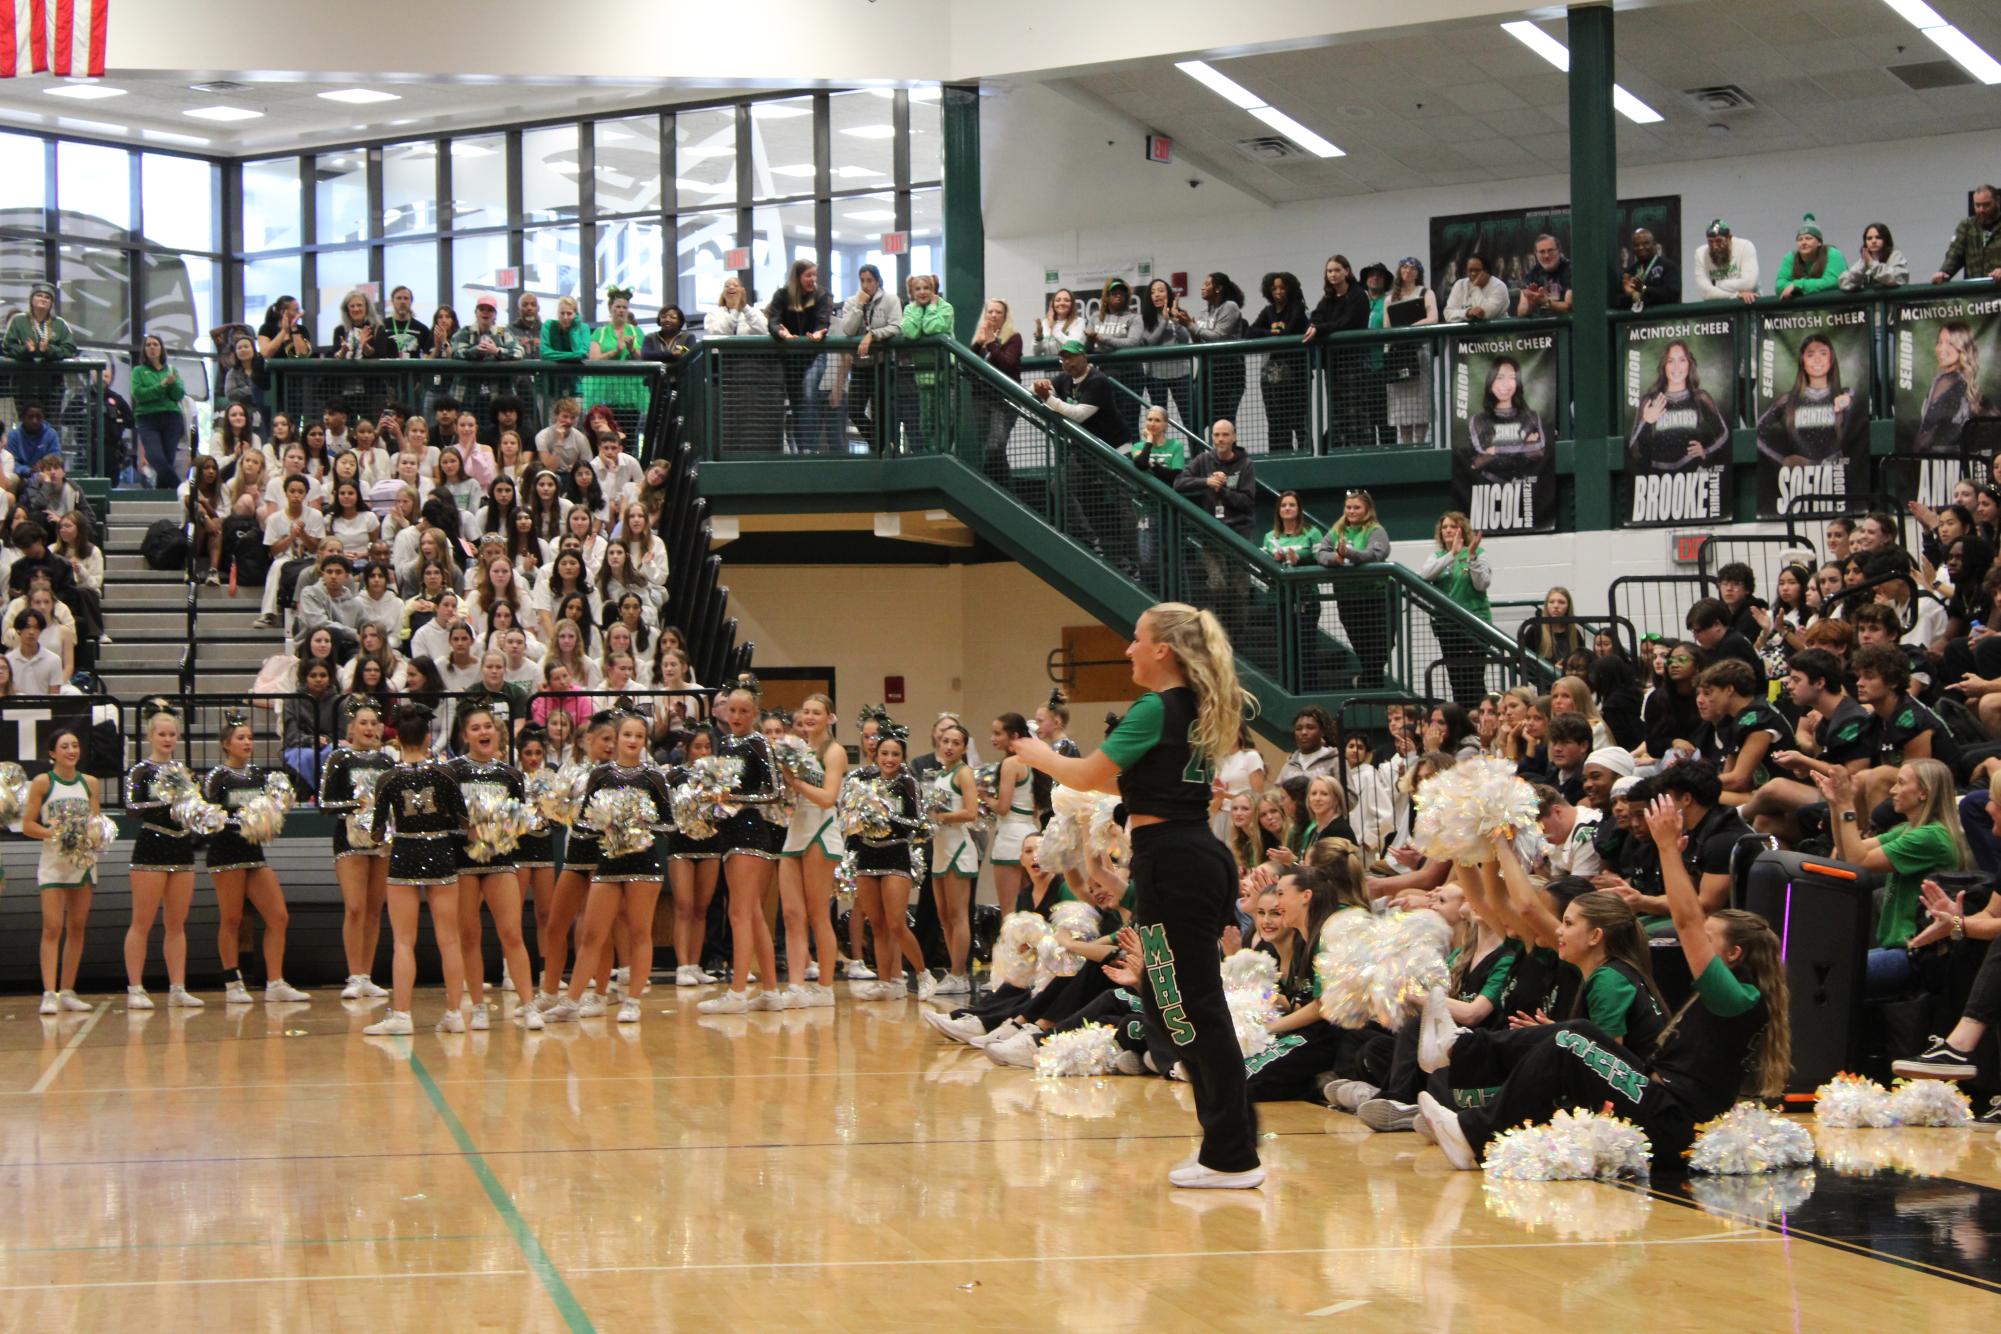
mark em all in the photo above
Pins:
pixel 1650 279
pixel 1477 296
pixel 40 334
pixel 484 339
pixel 1976 243
pixel 1812 266
pixel 359 335
pixel 1546 288
pixel 1878 264
pixel 1725 268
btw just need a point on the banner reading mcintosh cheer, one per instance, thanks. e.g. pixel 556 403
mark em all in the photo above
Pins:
pixel 1503 432
pixel 1680 398
pixel 1813 407
pixel 1948 373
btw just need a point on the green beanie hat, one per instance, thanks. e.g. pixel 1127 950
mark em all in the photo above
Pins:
pixel 1808 227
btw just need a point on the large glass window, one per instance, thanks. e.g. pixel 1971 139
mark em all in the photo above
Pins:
pixel 340 197
pixel 264 281
pixel 476 265
pixel 178 291
pixel 93 183
pixel 553 264
pixel 863 139
pixel 549 175
pixel 927 231
pixel 628 165
pixel 178 201
pixel 97 292
pixel 700 249
pixel 23 263
pixel 927 136
pixel 628 255
pixel 781 148
pixel 337 272
pixel 21 166
pixel 271 205
pixel 410 189
pixel 479 182
pixel 705 158
pixel 414 265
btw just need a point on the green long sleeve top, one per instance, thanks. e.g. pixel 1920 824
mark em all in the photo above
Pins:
pixel 935 318
pixel 559 344
pixel 1830 274
pixel 155 391
pixel 23 331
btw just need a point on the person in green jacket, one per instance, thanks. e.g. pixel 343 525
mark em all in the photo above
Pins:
pixel 926 314
pixel 1813 266
pixel 41 334
pixel 156 411
pixel 1459 570
pixel 565 338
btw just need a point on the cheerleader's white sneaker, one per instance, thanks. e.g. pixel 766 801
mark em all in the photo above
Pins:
pixel 769 1000
pixel 481 1021
pixel 394 1024
pixel 278 989
pixel 1447 1133
pixel 687 975
pixel 628 1013
pixel 137 999
pixel 817 997
pixel 178 998
pixel 812 972
pixel 591 1006
pixel 562 1010
pixel 1198 1177
pixel 730 1002
pixel 531 1018
pixel 927 985
pixel 1436 1033
pixel 451 1021
pixel 73 1003
pixel 51 1003
pixel 236 993
pixel 953 985
pixel 370 989
pixel 352 991
pixel 854 970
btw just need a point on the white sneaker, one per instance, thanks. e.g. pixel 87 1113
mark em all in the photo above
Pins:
pixel 927 985
pixel 818 997
pixel 1018 1050
pixel 959 1030
pixel 278 989
pixel 612 990
pixel 769 1000
pixel 1001 1034
pixel 531 1018
pixel 562 1011
pixel 687 976
pixel 730 1002
pixel 709 979
pixel 591 1006
pixel 1198 1177
pixel 137 999
pixel 891 989
pixel 451 1021
pixel 236 993
pixel 352 991
pixel 480 1019
pixel 390 1025
pixel 812 972
pixel 1446 1132
pixel 73 1003
pixel 51 1003
pixel 1128 1063
pixel 178 998
pixel 795 998
pixel 628 1013
pixel 370 989
pixel 854 970
pixel 622 977
pixel 1435 1033
pixel 954 985
pixel 546 1001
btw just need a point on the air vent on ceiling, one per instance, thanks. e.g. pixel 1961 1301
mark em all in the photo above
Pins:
pixel 1929 74
pixel 1268 148
pixel 1721 100
pixel 219 86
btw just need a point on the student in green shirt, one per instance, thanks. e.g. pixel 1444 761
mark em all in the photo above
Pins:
pixel 156 411
pixel 1157 450
pixel 1459 569
pixel 1291 539
pixel 927 314
pixel 1812 266
pixel 41 334
pixel 1929 841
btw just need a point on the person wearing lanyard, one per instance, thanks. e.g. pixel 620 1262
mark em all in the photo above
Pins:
pixel 1160 760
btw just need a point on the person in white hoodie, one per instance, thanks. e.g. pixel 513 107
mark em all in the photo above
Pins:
pixel 1725 267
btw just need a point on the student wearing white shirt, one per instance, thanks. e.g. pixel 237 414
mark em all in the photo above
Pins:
pixel 561 445
pixel 433 639
pixel 350 520
pixel 289 534
pixel 36 670
pixel 522 670
pixel 1477 296
pixel 618 473
pixel 377 600
pixel 649 553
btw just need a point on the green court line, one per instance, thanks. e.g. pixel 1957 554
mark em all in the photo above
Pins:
pixel 524 1236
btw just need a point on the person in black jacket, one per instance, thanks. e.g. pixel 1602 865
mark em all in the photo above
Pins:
pixel 1283 375
pixel 1343 306
pixel 1651 279
pixel 1221 480
pixel 802 311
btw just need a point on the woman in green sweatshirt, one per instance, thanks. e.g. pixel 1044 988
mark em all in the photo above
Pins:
pixel 156 411
pixel 1812 266
pixel 927 314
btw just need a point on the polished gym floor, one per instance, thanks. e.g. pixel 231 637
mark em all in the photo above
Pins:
pixel 269 1168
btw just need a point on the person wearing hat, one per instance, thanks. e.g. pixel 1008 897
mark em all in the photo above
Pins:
pixel 1116 328
pixel 485 339
pixel 40 334
pixel 1603 769
pixel 1084 395
pixel 1725 267
pixel 1812 266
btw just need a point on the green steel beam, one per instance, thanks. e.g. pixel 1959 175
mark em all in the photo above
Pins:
pixel 1594 202
pixel 965 230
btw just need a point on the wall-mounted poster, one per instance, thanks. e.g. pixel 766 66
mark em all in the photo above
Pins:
pixel 1679 400
pixel 1948 383
pixel 1504 432
pixel 1812 395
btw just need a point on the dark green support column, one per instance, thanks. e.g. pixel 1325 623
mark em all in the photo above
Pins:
pixel 965 230
pixel 1594 197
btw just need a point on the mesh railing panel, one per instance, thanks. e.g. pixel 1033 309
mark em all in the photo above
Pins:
pixel 1657 604
pixel 1764 553
pixel 1212 573
pixel 65 391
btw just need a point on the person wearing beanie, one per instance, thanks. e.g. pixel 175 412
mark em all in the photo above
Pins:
pixel 1812 266
pixel 1725 268
pixel 1604 768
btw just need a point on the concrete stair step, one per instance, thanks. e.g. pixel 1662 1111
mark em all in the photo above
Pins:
pixel 167 656
pixel 146 622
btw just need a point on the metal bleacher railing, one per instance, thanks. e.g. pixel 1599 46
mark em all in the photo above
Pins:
pixel 71 395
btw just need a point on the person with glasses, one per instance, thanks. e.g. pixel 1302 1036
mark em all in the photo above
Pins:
pixel 1669 717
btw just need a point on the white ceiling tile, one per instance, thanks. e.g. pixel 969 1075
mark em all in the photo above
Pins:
pixel 1481 96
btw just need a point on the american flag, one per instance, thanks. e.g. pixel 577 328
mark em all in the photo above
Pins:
pixel 60 37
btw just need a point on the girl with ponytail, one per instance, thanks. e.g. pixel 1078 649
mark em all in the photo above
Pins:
pixel 1160 760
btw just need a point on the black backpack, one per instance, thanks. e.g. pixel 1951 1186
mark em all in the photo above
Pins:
pixel 165 546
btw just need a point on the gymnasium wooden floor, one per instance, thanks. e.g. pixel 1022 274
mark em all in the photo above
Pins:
pixel 847 1169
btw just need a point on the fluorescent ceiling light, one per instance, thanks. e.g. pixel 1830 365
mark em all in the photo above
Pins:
pixel 1220 84
pixel 1236 94
pixel 872 131
pixel 1296 132
pixel 1917 13
pixel 871 215
pixel 224 113
pixel 776 111
pixel 83 92
pixel 1557 54
pixel 1969 54
pixel 360 96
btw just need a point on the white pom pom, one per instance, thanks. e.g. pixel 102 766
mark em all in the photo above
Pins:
pixel 1460 810
pixel 1249 968
pixel 1348 944
pixel 1021 934
pixel 1409 962
pixel 1574 1146
pixel 1088 1050
pixel 1847 1101
pixel 1929 1102
pixel 1748 1139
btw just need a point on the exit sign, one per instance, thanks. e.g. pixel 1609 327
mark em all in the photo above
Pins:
pixel 737 259
pixel 1159 148
pixel 507 280
pixel 896 243
pixel 1688 548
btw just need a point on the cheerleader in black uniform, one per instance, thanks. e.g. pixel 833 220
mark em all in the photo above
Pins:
pixel 751 842
pixel 626 886
pixel 237 867
pixel 883 867
pixel 535 859
pixel 692 866
pixel 492 882
pixel 423 802
pixel 580 862
pixel 856 969
pixel 360 865
pixel 163 865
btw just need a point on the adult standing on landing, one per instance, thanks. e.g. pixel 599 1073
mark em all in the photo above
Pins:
pixel 1159 760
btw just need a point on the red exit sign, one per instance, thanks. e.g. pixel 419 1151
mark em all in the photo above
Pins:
pixel 1688 548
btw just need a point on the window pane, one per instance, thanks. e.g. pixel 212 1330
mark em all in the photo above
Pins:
pixel 94 182
pixel 178 201
pixel 927 136
pixel 340 197
pixel 628 165
pixel 410 190
pixel 22 265
pixel 96 287
pixel 851 251
pixel 927 232
pixel 338 272
pixel 479 182
pixel 552 265
pixel 779 235
pixel 179 292
pixel 699 271
pixel 271 205
pixel 264 281
pixel 549 174
pixel 21 166
pixel 629 256
pixel 863 138
pixel 705 157
pixel 781 148
pixel 475 260
pixel 413 265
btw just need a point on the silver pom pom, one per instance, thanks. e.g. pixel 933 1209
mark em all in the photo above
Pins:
pixel 13 791
pixel 1749 1139
pixel 1847 1101
pixel 1461 810
pixel 1021 936
pixel 1574 1146
pixel 1929 1102
pixel 624 818
pixel 1379 968
pixel 1087 1050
